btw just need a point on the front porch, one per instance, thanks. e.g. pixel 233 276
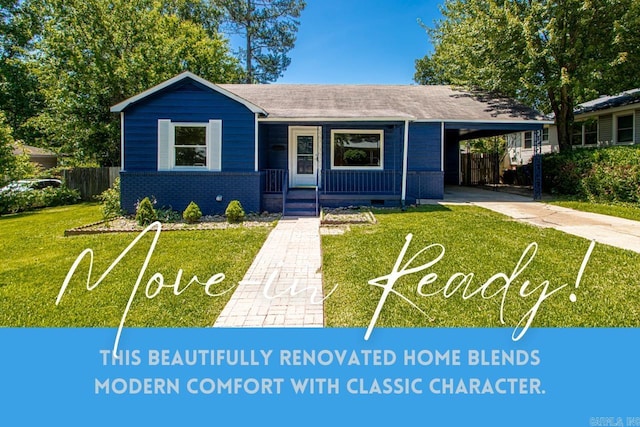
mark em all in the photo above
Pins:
pixel 337 188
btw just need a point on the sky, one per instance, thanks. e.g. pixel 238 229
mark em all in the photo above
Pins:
pixel 360 41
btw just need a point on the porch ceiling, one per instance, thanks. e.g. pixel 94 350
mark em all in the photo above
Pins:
pixel 466 131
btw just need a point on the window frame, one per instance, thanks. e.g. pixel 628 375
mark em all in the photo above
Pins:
pixel 173 145
pixel 616 133
pixel 524 139
pixel 545 136
pixel 580 130
pixel 379 132
pixel 585 133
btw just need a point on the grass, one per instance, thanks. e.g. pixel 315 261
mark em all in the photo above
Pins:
pixel 36 258
pixel 627 210
pixel 484 243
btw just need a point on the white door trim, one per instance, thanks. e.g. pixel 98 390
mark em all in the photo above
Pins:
pixel 299 180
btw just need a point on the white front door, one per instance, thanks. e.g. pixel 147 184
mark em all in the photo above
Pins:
pixel 304 156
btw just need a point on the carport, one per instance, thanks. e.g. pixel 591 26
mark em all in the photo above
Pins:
pixel 456 132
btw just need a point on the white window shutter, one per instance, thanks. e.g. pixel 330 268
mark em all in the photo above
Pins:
pixel 164 129
pixel 214 152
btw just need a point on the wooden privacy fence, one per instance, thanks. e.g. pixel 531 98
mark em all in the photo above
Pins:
pixel 90 182
pixel 480 168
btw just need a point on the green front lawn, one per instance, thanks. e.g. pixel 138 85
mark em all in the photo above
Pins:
pixel 627 211
pixel 484 243
pixel 36 258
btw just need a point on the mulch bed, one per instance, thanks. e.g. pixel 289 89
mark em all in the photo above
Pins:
pixel 330 217
pixel 214 222
pixel 349 215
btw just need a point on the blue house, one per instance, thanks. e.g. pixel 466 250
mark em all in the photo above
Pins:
pixel 297 148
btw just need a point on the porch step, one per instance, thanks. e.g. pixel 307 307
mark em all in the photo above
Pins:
pixel 300 202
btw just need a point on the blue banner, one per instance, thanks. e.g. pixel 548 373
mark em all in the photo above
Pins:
pixel 292 377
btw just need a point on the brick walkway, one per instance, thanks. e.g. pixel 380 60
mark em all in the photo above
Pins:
pixel 283 286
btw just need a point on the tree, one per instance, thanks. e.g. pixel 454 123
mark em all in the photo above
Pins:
pixel 269 29
pixel 7 159
pixel 94 54
pixel 12 166
pixel 548 54
pixel 20 98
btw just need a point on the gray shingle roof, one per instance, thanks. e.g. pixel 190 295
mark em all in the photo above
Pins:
pixel 359 102
pixel 307 101
pixel 33 151
pixel 625 98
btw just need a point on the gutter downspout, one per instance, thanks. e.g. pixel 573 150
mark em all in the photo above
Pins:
pixel 405 157
pixel 121 140
pixel 442 147
pixel 256 165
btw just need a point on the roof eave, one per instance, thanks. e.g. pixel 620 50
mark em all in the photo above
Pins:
pixel 497 121
pixel 338 119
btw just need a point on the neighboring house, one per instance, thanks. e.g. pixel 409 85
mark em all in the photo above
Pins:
pixel 44 158
pixel 299 147
pixel 607 120
pixel 519 149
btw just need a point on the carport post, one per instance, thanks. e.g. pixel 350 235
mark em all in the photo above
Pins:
pixel 537 164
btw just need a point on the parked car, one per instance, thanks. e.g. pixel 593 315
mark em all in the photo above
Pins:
pixel 30 184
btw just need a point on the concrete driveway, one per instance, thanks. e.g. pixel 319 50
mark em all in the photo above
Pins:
pixel 608 230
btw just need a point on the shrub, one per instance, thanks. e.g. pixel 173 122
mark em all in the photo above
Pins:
pixel 145 213
pixel 234 211
pixel 607 174
pixel 20 201
pixel 192 213
pixel 59 196
pixel 168 215
pixel 110 199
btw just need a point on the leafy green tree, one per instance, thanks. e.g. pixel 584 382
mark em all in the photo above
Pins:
pixel 269 29
pixel 548 54
pixel 7 159
pixel 20 98
pixel 12 165
pixel 94 54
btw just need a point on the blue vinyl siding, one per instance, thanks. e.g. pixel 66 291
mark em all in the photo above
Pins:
pixel 274 146
pixel 188 101
pixel 452 159
pixel 424 147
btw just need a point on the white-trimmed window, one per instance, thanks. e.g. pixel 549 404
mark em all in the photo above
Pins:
pixel 624 129
pixel 585 133
pixel 545 136
pixel 590 130
pixel 528 139
pixel 189 145
pixel 357 149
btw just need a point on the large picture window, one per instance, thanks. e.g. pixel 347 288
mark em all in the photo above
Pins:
pixel 190 145
pixel 357 149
